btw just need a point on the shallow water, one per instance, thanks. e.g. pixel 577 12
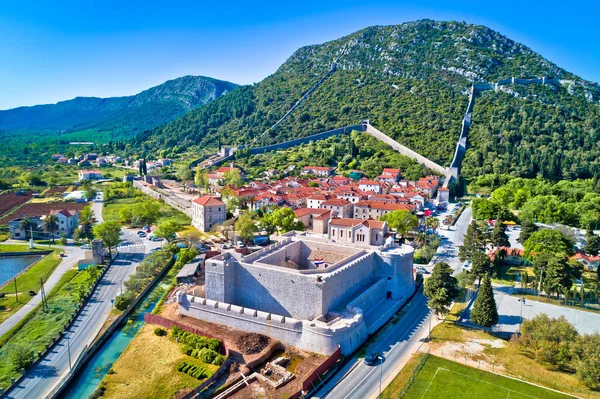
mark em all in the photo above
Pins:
pixel 10 266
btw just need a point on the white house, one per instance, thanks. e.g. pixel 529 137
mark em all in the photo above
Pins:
pixel 89 175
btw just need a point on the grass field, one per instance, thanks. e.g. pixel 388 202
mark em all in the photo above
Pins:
pixel 440 378
pixel 39 326
pixel 112 208
pixel 147 369
pixel 30 280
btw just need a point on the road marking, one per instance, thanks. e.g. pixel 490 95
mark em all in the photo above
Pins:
pixel 76 334
pixel 408 333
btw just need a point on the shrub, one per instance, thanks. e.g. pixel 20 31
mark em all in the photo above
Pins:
pixel 161 332
pixel 122 301
pixel 193 370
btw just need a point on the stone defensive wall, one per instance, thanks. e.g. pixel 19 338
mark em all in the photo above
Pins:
pixel 307 139
pixel 368 128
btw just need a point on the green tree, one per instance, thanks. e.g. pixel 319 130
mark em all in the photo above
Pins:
pixel 432 223
pixel 167 229
pixel 402 221
pixel 547 241
pixel 109 233
pixel 122 301
pixel 586 360
pixel 245 226
pixel 549 340
pixel 88 189
pixel 27 225
pixel 234 178
pixel 441 288
pixel 201 177
pixel 592 243
pixel 555 272
pixel 147 212
pixel 281 219
pixel 484 312
pixel 86 220
pixel 50 225
pixel 499 236
pixel 313 184
pixel 475 240
pixel 528 227
pixel 20 357
pixel 480 265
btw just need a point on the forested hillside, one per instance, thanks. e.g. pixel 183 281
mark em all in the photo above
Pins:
pixel 412 82
pixel 117 115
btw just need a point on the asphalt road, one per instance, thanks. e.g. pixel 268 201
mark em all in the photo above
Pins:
pixel 41 378
pixel 397 342
pixel 72 255
pixel 452 238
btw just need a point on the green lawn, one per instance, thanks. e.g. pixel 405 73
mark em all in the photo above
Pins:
pixel 111 211
pixel 440 378
pixel 20 248
pixel 39 326
pixel 30 280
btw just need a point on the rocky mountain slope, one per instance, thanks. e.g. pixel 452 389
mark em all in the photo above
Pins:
pixel 125 115
pixel 412 82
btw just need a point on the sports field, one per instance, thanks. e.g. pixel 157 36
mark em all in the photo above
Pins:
pixel 441 378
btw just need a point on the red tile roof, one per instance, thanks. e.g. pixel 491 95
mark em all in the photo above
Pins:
pixel 208 200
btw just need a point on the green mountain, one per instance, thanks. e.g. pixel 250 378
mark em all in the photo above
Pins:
pixel 412 81
pixel 117 115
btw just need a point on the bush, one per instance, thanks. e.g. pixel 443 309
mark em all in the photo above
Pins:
pixel 195 341
pixel 193 370
pixel 209 356
pixel 20 356
pixel 122 301
pixel 161 332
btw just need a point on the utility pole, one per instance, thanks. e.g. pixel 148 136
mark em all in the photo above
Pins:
pixel 30 237
pixel 380 373
pixel 43 294
pixel 16 292
pixel 540 283
pixel 69 350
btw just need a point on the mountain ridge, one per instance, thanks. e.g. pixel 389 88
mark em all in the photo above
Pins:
pixel 412 81
pixel 175 97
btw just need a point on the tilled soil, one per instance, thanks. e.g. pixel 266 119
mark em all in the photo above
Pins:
pixel 252 343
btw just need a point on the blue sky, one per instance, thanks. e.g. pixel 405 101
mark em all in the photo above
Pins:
pixel 56 50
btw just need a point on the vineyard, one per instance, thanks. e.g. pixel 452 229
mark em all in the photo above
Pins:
pixel 10 200
pixel 40 209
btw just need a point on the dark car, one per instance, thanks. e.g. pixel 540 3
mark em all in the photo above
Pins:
pixel 372 358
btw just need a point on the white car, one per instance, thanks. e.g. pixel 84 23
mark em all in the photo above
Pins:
pixel 86 246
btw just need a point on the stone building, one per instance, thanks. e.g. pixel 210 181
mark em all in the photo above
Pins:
pixel 206 212
pixel 306 292
pixel 376 209
pixel 338 207
pixel 358 232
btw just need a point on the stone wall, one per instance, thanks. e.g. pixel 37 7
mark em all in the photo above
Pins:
pixel 346 283
pixel 403 149
pixel 369 298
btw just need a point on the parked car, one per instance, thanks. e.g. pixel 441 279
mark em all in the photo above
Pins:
pixel 226 246
pixel 240 244
pixel 372 358
pixel 141 234
pixel 86 246
pixel 154 250
pixel 156 238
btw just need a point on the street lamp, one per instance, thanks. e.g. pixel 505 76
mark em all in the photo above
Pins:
pixel 381 359
pixel 522 300
pixel 69 350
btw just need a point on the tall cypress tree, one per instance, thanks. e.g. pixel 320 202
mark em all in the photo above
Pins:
pixel 499 236
pixel 484 312
pixel 441 288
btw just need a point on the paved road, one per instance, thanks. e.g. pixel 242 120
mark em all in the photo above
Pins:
pixel 512 311
pixel 73 254
pixel 43 376
pixel 451 240
pixel 397 342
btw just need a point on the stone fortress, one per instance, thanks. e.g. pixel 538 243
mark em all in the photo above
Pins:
pixel 307 292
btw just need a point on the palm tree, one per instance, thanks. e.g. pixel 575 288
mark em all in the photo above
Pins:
pixel 50 225
pixel 27 225
pixel 432 223
pixel 421 239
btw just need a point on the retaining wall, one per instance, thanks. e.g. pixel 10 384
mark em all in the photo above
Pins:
pixel 159 196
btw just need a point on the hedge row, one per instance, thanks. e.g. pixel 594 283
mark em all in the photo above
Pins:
pixel 194 341
pixel 193 370
pixel 206 355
